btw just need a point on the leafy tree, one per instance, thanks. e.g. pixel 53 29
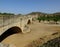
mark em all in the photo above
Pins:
pixel 39 18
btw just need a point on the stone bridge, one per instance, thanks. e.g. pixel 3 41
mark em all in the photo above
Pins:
pixel 14 24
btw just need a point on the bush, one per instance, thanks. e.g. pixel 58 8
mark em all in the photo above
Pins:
pixel 54 18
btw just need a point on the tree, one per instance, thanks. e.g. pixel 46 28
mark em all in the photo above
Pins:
pixel 39 18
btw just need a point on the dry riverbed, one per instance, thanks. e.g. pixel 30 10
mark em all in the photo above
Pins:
pixel 38 30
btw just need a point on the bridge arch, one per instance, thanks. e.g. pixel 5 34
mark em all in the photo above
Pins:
pixel 29 21
pixel 10 31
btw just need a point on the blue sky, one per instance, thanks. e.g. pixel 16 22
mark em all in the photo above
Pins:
pixel 27 6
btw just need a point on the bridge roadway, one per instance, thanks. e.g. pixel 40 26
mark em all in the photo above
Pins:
pixel 37 30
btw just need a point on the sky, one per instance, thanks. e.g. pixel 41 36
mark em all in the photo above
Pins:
pixel 27 6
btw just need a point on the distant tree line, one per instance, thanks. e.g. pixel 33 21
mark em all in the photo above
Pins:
pixel 48 18
pixel 6 14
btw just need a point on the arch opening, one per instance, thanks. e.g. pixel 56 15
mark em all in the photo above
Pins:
pixel 9 32
pixel 29 22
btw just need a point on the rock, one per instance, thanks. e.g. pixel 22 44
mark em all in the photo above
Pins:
pixel 7 45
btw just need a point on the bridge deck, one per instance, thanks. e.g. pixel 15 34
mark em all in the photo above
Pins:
pixel 37 30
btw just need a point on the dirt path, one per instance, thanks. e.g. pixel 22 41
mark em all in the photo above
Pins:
pixel 37 30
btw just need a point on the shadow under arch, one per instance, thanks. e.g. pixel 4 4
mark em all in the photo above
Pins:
pixel 29 22
pixel 10 31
